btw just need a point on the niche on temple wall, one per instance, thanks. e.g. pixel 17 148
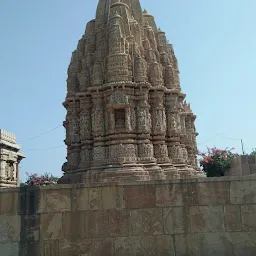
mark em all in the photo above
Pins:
pixel 10 171
pixel 119 118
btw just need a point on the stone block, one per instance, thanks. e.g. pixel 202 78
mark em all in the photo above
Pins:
pixel 212 193
pixel 169 195
pixel 206 219
pixel 10 226
pixel 65 247
pixel 197 193
pixel 243 192
pixel 30 228
pixel 216 244
pixel 80 199
pixel 51 226
pixel 106 198
pixel 244 243
pixel 9 203
pixel 145 222
pixel 50 248
pixel 119 223
pixel 139 196
pixel 9 249
pixel 232 218
pixel 102 247
pixel 80 247
pixel 202 244
pixel 248 214
pixel 31 249
pixel 97 224
pixel 58 200
pixel 73 225
pixel 144 246
pixel 175 220
pixel 88 247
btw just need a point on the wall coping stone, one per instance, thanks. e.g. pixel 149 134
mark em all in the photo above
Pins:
pixel 132 183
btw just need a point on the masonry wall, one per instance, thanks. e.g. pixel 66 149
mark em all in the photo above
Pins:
pixel 242 165
pixel 215 216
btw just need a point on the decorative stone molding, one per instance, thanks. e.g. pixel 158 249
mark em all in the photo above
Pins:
pixel 10 158
pixel 126 114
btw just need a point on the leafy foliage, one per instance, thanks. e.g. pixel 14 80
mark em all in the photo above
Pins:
pixel 216 162
pixel 253 153
pixel 43 180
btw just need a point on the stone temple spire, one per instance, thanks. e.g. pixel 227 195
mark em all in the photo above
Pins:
pixel 127 118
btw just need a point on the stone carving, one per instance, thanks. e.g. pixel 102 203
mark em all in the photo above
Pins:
pixel 119 98
pixel 10 158
pixel 124 102
pixel 74 131
pixel 86 124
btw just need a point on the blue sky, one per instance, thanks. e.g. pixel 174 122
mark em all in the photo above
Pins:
pixel 214 42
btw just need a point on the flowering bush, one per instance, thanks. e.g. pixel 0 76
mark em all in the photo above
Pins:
pixel 43 180
pixel 216 162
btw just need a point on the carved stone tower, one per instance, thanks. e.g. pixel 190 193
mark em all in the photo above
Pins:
pixel 126 114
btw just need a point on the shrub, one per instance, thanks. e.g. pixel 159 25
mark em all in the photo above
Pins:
pixel 253 153
pixel 215 162
pixel 43 180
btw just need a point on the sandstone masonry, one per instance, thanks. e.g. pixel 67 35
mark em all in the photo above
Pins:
pixel 126 114
pixel 10 158
pixel 198 217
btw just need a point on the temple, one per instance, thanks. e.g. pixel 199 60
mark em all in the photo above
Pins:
pixel 127 118
pixel 10 158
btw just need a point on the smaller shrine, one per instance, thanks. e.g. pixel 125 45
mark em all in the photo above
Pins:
pixel 10 158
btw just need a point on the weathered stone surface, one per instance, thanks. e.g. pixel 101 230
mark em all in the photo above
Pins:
pixel 196 193
pixel 145 222
pixel 214 193
pixel 139 59
pixel 233 218
pixel 248 215
pixel 146 225
pixel 206 219
pixel 145 246
pixel 80 199
pixel 9 249
pixel 73 225
pixel 30 228
pixel 9 203
pixel 55 200
pixel 139 196
pixel 10 226
pixel 102 247
pixel 175 220
pixel 65 247
pixel 243 243
pixel 219 244
pixel 51 226
pixel 106 198
pixel 97 224
pixel 88 247
pixel 119 223
pixel 50 248
pixel 169 195
pixel 10 158
pixel 243 192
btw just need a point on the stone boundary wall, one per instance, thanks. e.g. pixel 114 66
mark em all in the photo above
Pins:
pixel 214 216
pixel 242 165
